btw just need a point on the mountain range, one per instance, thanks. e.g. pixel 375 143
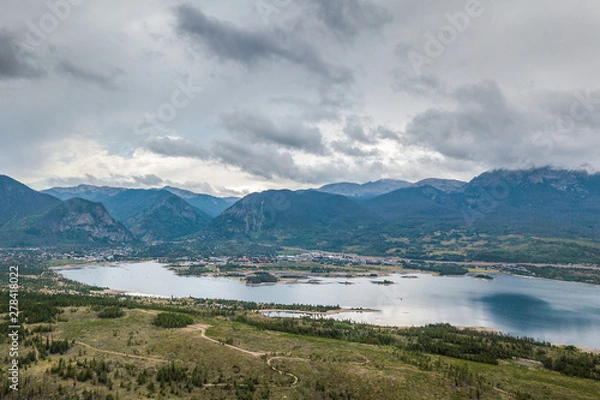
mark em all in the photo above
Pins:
pixel 151 214
pixel 306 217
pixel 372 217
pixel 514 206
pixel 383 186
pixel 30 218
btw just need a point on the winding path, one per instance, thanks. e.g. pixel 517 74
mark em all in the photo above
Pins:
pixel 118 353
pixel 362 363
pixel 282 372
pixel 202 328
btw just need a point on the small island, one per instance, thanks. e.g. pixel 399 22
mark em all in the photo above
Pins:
pixel 385 282
pixel 261 277
pixel 484 276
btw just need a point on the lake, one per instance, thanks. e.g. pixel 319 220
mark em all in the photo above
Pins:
pixel 554 311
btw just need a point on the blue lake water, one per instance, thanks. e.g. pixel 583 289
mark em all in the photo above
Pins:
pixel 559 312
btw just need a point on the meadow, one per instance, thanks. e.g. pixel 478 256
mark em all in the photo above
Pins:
pixel 88 351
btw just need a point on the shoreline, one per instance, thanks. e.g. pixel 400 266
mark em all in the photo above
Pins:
pixel 483 329
pixel 391 270
pixel 83 265
pixel 100 264
pixel 323 313
pixel 328 313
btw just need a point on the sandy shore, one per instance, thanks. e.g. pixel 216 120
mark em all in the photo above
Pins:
pixel 82 265
pixel 109 291
pixel 329 312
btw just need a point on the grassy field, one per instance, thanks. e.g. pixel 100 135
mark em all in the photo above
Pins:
pixel 218 357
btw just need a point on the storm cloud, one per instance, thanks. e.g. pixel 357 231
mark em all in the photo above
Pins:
pixel 105 80
pixel 485 127
pixel 176 147
pixel 233 98
pixel 348 18
pixel 250 46
pixel 12 63
pixel 262 160
pixel 292 134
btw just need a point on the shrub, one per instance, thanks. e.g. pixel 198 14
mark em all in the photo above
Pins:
pixel 172 320
pixel 111 312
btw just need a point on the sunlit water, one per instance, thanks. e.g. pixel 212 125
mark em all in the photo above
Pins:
pixel 559 312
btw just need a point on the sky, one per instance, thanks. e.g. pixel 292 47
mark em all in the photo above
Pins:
pixel 235 96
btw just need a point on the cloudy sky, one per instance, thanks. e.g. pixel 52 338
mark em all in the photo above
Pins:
pixel 231 96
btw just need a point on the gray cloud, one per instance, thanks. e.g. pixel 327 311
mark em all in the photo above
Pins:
pixel 386 133
pixel 267 161
pixel 361 131
pixel 574 110
pixel 291 134
pixel 86 179
pixel 12 65
pixel 349 149
pixel 322 88
pixel 147 180
pixel 260 160
pixel 421 85
pixel 356 129
pixel 105 80
pixel 484 127
pixel 307 110
pixel 226 40
pixel 347 18
pixel 249 46
pixel 176 147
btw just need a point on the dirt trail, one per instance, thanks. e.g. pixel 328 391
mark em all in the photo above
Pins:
pixel 363 362
pixel 202 328
pixel 282 372
pixel 118 353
